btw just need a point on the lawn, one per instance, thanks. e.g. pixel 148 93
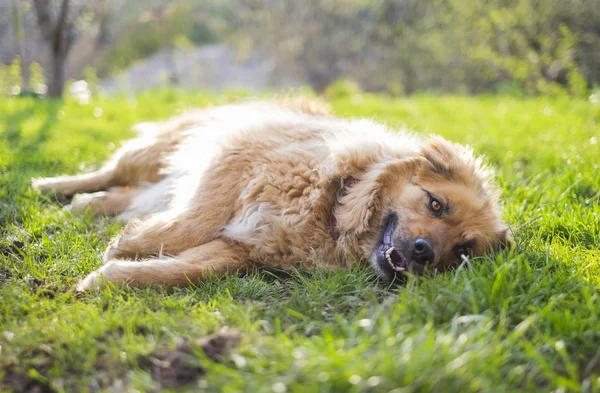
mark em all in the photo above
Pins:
pixel 528 320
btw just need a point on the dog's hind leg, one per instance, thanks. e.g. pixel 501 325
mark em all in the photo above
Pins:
pixel 139 161
pixel 125 203
pixel 69 185
pixel 183 227
pixel 134 164
pixel 165 233
pixel 217 257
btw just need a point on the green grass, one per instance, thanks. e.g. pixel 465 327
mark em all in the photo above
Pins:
pixel 526 321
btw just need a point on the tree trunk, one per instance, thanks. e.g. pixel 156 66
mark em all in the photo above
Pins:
pixel 59 35
pixel 25 75
pixel 19 33
pixel 172 66
pixel 58 66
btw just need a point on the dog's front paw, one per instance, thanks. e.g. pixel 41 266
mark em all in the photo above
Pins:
pixel 116 273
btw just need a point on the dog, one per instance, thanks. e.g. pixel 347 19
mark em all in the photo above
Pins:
pixel 285 185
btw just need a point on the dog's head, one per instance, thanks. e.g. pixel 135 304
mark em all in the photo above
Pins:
pixel 428 211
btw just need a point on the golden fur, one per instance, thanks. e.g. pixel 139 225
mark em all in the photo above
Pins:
pixel 284 185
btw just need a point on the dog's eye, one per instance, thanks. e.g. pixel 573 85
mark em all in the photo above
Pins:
pixel 435 206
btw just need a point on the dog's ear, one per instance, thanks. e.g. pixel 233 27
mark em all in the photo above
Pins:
pixel 357 204
pixel 504 240
pixel 453 161
pixel 440 154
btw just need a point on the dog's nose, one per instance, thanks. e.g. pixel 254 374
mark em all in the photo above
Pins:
pixel 423 251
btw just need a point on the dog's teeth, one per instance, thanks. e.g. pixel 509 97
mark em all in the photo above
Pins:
pixel 388 257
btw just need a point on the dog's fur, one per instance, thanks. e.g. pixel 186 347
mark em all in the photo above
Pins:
pixel 284 185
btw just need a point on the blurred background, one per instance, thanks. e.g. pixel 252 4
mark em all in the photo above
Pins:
pixel 397 47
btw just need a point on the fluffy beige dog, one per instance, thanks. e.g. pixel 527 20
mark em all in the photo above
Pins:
pixel 285 185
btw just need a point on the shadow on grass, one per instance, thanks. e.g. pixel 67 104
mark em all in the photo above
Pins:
pixel 14 127
pixel 26 146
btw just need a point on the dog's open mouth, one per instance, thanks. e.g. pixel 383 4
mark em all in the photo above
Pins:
pixel 386 250
pixel 396 260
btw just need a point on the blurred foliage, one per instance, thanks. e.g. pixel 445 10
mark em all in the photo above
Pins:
pixel 11 79
pixel 4 80
pixel 14 72
pixel 394 46
pixel 178 24
pixel 10 76
pixel 36 75
pixel 536 46
pixel 91 77
pixel 342 88
pixel 531 42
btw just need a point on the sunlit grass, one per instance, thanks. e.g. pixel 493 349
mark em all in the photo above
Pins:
pixel 526 321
